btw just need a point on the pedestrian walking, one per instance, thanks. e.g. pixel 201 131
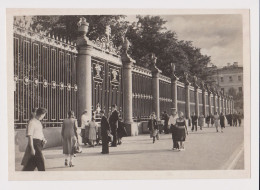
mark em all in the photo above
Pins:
pixel 113 122
pixel 36 140
pixel 235 120
pixel 239 118
pixel 166 121
pixel 222 121
pixel 93 129
pixel 181 130
pixel 231 120
pixel 121 132
pixel 216 120
pixel 194 121
pixel 201 121
pixel 208 120
pixel 27 153
pixel 212 120
pixel 104 133
pixel 69 137
pixel 153 127
pixel 172 122
pixel 84 126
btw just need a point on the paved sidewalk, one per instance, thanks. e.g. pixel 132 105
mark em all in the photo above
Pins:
pixel 204 150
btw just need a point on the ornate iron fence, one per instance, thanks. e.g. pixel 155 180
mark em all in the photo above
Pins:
pixel 142 93
pixel 44 75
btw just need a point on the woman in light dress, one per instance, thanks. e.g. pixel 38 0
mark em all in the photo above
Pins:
pixel 201 121
pixel 93 129
pixel 70 137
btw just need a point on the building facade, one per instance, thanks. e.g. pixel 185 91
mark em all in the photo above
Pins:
pixel 230 76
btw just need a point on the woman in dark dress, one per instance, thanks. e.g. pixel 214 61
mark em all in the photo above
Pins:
pixel 208 120
pixel 181 130
pixel 222 121
pixel 121 132
pixel 212 120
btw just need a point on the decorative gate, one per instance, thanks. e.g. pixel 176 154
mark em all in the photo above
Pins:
pixel 44 75
pixel 106 85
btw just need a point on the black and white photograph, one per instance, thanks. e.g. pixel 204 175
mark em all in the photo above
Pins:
pixel 163 92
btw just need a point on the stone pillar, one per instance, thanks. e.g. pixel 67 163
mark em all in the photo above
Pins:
pixel 196 87
pixel 84 69
pixel 232 105
pixel 223 105
pixel 214 103
pixel 174 80
pixel 219 103
pixel 203 100
pixel 226 112
pixel 228 105
pixel 155 87
pixel 210 103
pixel 187 96
pixel 127 88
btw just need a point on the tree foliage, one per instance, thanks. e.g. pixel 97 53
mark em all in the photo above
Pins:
pixel 147 35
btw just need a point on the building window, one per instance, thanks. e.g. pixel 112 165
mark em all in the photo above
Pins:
pixel 230 79
pixel 221 79
pixel 240 89
pixel 239 78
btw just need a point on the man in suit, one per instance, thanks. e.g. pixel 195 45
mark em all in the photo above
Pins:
pixel 104 133
pixel 166 119
pixel 194 122
pixel 113 122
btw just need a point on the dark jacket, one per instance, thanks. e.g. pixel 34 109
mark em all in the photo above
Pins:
pixel 121 131
pixel 104 127
pixel 166 119
pixel 208 119
pixel 155 126
pixel 194 119
pixel 222 120
pixel 113 120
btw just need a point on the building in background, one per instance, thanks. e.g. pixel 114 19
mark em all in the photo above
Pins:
pixel 229 79
pixel 230 76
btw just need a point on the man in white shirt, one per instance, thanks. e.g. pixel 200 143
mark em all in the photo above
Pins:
pixel 85 125
pixel 36 142
pixel 172 123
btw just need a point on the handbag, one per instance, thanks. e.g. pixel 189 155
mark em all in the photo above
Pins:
pixel 110 136
pixel 77 148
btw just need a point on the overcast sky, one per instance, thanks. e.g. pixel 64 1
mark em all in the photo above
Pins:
pixel 219 36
